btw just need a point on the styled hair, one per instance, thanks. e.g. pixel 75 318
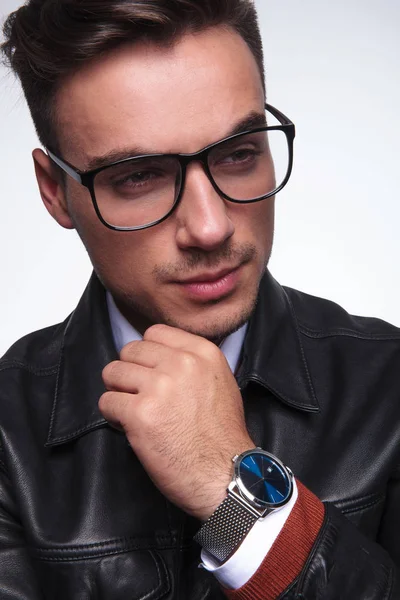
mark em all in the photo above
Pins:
pixel 46 40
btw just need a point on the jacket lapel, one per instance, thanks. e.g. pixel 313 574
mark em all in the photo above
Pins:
pixel 273 354
pixel 87 348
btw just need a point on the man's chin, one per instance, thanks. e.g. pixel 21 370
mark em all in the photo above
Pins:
pixel 215 329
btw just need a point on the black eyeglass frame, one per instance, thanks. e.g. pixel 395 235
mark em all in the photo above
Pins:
pixel 86 178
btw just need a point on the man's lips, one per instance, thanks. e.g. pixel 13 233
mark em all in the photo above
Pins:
pixel 211 285
pixel 208 277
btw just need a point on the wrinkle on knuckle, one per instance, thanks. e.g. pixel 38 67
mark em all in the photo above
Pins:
pixel 125 404
pixel 214 354
pixel 108 371
pixel 106 402
pixel 162 384
pixel 154 332
pixel 188 361
pixel 129 351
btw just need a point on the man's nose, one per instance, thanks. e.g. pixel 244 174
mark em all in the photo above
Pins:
pixel 202 215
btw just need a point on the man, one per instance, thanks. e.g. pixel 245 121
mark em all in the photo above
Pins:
pixel 185 370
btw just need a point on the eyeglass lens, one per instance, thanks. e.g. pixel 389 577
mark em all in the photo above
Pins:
pixel 144 190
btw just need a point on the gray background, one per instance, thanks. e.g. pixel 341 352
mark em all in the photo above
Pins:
pixel 333 68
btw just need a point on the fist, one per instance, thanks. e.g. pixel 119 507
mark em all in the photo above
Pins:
pixel 179 405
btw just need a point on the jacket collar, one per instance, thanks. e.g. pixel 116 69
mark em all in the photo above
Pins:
pixel 273 357
pixel 87 348
pixel 273 353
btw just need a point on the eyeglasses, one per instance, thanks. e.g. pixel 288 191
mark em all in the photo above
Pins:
pixel 142 191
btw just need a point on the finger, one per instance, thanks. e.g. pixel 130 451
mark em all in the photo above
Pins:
pixel 180 340
pixel 126 377
pixel 145 353
pixel 117 408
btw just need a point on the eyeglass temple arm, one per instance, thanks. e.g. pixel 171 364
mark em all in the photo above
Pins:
pixel 278 114
pixel 65 166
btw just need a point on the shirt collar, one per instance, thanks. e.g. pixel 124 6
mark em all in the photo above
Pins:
pixel 273 357
pixel 124 333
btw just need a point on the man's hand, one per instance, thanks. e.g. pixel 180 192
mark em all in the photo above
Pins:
pixel 179 405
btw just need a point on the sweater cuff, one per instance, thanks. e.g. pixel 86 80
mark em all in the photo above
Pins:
pixel 243 564
pixel 288 555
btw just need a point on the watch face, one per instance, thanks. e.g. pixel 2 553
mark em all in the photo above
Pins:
pixel 263 479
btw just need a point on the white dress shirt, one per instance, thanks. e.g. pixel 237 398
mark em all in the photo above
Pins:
pixel 242 565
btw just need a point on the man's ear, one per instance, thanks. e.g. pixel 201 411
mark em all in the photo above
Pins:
pixel 51 189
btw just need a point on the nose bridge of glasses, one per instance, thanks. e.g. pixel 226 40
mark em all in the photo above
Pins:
pixel 200 157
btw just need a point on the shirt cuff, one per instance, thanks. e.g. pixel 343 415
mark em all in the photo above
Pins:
pixel 242 565
pixel 290 552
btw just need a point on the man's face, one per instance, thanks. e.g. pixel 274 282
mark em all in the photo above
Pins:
pixel 200 269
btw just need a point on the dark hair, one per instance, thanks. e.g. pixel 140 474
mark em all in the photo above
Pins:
pixel 45 40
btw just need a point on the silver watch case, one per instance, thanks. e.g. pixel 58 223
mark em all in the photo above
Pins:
pixel 241 494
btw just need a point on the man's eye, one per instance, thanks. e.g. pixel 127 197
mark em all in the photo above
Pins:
pixel 241 155
pixel 136 179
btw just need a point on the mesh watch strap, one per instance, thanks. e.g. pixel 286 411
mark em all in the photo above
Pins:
pixel 224 531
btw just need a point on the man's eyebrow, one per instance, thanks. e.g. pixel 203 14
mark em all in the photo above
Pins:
pixel 251 121
pixel 97 162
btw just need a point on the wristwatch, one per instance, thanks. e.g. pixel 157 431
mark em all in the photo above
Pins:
pixel 261 484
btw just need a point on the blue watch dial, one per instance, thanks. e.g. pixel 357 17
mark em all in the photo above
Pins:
pixel 264 478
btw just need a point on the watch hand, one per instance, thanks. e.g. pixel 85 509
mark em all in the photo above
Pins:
pixel 272 492
pixel 254 468
pixel 255 483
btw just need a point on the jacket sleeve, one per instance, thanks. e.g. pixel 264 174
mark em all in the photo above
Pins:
pixel 17 577
pixel 320 554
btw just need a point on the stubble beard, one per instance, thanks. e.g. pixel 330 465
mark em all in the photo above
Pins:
pixel 142 315
pixel 216 331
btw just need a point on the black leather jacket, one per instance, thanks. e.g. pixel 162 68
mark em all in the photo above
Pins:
pixel 79 518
